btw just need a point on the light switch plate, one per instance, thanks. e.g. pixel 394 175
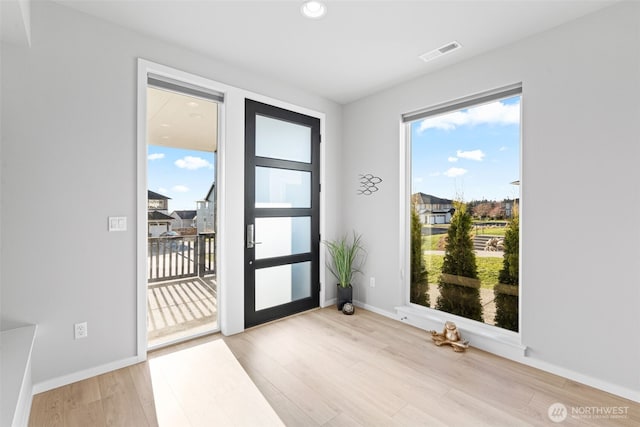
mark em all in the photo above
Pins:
pixel 117 223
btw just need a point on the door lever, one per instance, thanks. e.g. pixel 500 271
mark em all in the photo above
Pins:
pixel 250 236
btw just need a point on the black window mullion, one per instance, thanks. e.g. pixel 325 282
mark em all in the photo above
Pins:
pixel 283 164
pixel 281 260
pixel 282 212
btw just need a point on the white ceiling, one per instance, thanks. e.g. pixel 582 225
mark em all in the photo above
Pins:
pixel 357 49
pixel 181 121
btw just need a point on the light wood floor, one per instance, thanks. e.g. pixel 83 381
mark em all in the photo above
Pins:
pixel 322 368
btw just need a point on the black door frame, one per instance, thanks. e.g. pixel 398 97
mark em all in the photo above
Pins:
pixel 251 317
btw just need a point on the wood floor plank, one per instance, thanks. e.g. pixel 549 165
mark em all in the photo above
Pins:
pixel 88 414
pixel 343 420
pixel 413 416
pixel 81 393
pixel 290 413
pixel 458 401
pixel 120 400
pixel 142 381
pixel 47 409
pixel 303 395
pixel 322 368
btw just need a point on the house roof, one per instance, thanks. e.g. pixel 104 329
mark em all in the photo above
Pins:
pixel 210 193
pixel 428 199
pixel 152 195
pixel 189 214
pixel 159 216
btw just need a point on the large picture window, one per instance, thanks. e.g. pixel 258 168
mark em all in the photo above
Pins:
pixel 465 201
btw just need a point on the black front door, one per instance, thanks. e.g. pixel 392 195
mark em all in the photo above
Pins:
pixel 282 186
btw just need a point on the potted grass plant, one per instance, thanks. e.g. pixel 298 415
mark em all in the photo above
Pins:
pixel 345 261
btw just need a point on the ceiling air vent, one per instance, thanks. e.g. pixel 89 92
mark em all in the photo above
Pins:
pixel 447 48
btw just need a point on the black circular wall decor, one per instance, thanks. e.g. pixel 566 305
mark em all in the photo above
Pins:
pixel 368 184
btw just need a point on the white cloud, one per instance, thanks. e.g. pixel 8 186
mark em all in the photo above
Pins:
pixel 503 148
pixel 193 163
pixel 156 156
pixel 476 155
pixel 493 113
pixel 162 190
pixel 452 159
pixel 454 172
pixel 180 188
pixel 434 174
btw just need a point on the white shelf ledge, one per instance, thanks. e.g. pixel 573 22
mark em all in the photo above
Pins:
pixel 485 337
pixel 16 346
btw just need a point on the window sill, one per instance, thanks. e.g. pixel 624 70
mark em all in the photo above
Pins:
pixel 485 337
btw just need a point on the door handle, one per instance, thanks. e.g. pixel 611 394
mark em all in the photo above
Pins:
pixel 251 236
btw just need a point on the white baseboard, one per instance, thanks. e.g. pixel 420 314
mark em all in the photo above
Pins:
pixel 84 374
pixel 607 386
pixel 375 310
pixel 502 343
pixel 329 302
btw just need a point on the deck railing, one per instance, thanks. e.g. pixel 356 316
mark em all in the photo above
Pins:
pixel 206 254
pixel 177 257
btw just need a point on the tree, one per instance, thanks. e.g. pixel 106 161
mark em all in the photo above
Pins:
pixel 419 283
pixel 497 211
pixel 482 209
pixel 459 285
pixel 507 290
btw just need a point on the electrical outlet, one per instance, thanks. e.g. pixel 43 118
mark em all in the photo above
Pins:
pixel 372 282
pixel 80 330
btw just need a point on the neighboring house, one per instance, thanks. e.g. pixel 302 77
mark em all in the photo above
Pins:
pixel 432 209
pixel 509 206
pixel 159 220
pixel 205 218
pixel 184 219
pixel 157 202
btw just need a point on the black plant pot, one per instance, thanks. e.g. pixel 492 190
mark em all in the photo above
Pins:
pixel 344 295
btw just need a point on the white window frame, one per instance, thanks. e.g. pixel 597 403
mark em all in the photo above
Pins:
pixel 184 80
pixel 487 337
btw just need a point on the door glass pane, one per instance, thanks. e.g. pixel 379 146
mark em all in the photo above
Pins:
pixel 282 236
pixel 282 284
pixel 278 139
pixel 282 188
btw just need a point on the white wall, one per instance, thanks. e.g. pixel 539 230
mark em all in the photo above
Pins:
pixel 69 151
pixel 581 121
pixel 1 179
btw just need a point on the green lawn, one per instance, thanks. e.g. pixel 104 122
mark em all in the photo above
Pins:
pixel 488 268
pixel 430 243
pixel 490 231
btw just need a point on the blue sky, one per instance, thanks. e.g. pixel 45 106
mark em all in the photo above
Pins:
pixel 184 175
pixel 472 153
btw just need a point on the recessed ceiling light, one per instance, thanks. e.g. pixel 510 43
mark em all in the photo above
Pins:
pixel 192 104
pixel 313 9
pixel 165 137
pixel 165 125
pixel 195 115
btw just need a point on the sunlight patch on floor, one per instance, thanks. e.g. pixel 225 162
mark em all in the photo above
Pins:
pixel 205 385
